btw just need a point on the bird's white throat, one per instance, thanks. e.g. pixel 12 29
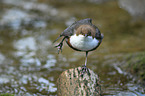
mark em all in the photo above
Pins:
pixel 83 43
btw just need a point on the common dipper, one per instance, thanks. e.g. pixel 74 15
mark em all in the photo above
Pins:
pixel 81 36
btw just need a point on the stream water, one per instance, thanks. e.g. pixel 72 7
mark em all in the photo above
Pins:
pixel 29 63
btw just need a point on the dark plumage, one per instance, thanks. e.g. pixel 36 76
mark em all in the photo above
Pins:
pixel 82 30
pixel 74 29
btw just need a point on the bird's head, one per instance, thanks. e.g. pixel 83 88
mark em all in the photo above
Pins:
pixel 86 30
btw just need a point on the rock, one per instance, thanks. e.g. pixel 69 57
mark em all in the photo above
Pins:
pixel 72 83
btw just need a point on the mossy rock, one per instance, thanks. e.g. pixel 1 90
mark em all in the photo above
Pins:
pixel 6 94
pixel 136 65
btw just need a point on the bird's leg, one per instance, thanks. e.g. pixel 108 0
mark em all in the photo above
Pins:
pixel 59 46
pixel 84 68
pixel 86 59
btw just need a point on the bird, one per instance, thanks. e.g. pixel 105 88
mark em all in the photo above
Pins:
pixel 81 36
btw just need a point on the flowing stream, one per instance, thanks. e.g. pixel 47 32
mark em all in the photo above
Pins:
pixel 29 63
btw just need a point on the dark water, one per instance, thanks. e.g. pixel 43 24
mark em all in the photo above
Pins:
pixel 29 63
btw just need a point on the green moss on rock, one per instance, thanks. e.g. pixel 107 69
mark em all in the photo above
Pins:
pixel 6 94
pixel 136 65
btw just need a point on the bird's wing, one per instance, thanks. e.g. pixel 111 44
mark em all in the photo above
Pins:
pixel 70 30
pixel 98 34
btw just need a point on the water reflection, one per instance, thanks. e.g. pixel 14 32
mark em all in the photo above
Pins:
pixel 44 85
pixel 50 62
pixel 2 58
pixel 14 18
pixel 28 43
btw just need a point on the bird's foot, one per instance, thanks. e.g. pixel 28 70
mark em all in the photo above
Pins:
pixel 84 70
pixel 59 47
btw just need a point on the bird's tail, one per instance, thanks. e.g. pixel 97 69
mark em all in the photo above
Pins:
pixel 102 36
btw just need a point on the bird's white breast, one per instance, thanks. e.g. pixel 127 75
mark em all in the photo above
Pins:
pixel 83 43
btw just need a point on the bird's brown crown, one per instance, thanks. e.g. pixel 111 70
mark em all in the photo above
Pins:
pixel 86 30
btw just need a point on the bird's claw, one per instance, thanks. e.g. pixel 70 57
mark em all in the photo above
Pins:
pixel 59 47
pixel 83 70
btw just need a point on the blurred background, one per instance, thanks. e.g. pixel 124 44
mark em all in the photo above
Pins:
pixel 30 65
